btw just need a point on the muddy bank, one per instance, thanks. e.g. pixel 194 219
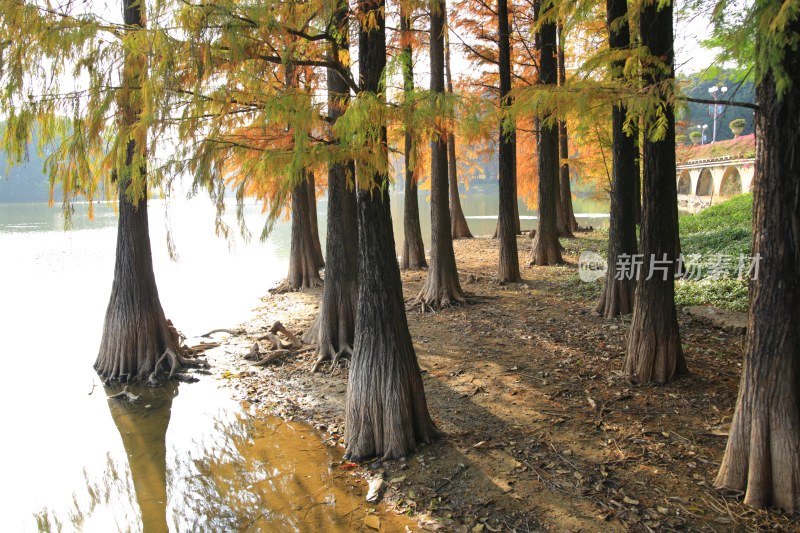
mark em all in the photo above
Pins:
pixel 542 430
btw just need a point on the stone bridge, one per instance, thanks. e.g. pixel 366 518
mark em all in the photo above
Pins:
pixel 702 182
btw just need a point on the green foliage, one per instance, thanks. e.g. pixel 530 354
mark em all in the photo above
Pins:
pixel 738 123
pixel 740 89
pixel 720 234
pixel 723 293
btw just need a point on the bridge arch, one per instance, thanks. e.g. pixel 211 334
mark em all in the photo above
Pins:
pixel 685 183
pixel 731 183
pixel 705 183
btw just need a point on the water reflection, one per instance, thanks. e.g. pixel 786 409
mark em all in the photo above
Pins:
pixel 248 473
pixel 142 425
pixel 267 475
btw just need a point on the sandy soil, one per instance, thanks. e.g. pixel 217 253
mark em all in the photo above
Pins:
pixel 542 430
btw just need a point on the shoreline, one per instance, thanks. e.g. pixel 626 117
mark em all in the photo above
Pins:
pixel 541 430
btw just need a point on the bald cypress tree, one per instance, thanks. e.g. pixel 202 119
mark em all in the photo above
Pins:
pixel 762 458
pixel 386 414
pixel 654 345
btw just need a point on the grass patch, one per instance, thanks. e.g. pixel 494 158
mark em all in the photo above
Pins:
pixel 712 242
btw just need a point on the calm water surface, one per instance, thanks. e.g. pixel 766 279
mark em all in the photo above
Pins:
pixel 185 458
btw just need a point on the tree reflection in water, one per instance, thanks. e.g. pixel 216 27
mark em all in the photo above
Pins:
pixel 233 472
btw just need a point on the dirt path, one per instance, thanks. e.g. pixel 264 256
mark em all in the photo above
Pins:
pixel 542 430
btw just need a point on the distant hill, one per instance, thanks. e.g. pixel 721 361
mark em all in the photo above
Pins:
pixel 24 182
pixel 693 114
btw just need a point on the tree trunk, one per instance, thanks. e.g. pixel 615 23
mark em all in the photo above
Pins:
pixel 413 257
pixel 546 249
pixel 386 412
pixel 312 217
pixel 334 329
pixel 507 217
pixel 654 344
pixel 303 262
pixel 136 332
pixel 568 222
pixel 442 287
pixel 618 292
pixel 458 224
pixel 762 457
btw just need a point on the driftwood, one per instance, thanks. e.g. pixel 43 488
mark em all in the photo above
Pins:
pixel 277 327
pixel 279 349
pixel 233 332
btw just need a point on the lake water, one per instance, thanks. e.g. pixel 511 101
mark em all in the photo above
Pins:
pixel 186 458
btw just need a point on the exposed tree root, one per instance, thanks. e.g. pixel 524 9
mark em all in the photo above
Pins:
pixel 277 327
pixel 334 357
pixel 285 286
pixel 223 330
pixel 176 362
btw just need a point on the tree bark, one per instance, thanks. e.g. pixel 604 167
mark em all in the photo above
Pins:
pixel 762 457
pixel 654 344
pixel 413 257
pixel 507 217
pixel 312 217
pixel 303 261
pixel 386 412
pixel 565 196
pixel 334 329
pixel 442 287
pixel 618 291
pixel 458 224
pixel 136 332
pixel 546 249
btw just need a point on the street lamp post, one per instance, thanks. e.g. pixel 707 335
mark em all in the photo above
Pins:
pixel 702 129
pixel 715 93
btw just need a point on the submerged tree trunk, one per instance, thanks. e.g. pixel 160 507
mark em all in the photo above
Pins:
pixel 546 249
pixel 312 218
pixel 654 344
pixel 136 333
pixel 458 224
pixel 618 291
pixel 413 257
pixel 303 261
pixel 386 413
pixel 442 287
pixel 334 330
pixel 762 457
pixel 566 212
pixel 507 217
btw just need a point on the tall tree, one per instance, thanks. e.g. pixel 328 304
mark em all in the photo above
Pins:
pixel 546 249
pixel 312 218
pixel 762 457
pixel 413 257
pixel 442 287
pixel 386 412
pixel 507 220
pixel 654 344
pixel 303 259
pixel 136 335
pixel 566 214
pixel 618 291
pixel 458 224
pixel 334 330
